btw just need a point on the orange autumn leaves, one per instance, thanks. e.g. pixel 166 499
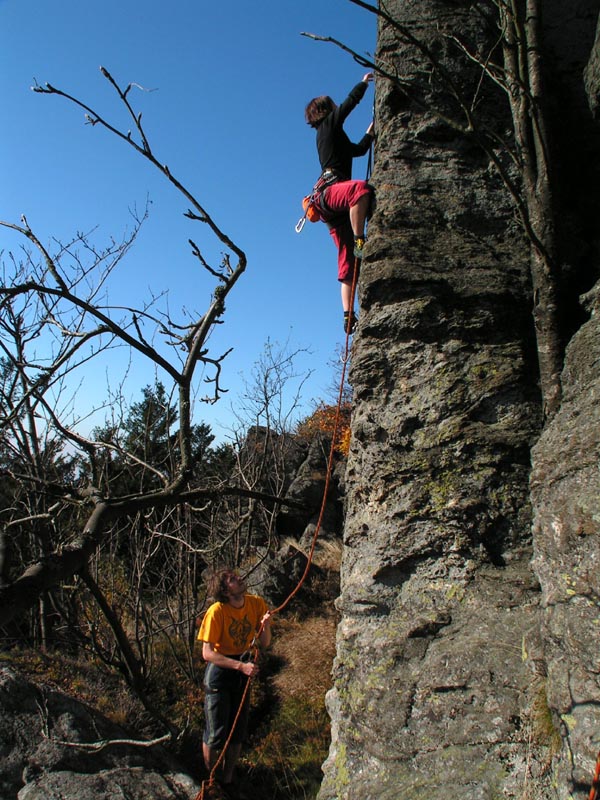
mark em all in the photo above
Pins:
pixel 322 421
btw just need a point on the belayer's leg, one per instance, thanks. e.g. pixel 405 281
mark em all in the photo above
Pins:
pixel 232 755
pixel 210 756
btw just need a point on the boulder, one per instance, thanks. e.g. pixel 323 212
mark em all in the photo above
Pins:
pixel 38 727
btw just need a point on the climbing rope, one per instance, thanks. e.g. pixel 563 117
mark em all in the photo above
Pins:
pixel 253 649
pixel 329 472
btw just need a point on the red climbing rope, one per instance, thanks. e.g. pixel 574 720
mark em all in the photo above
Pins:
pixel 253 647
pixel 336 426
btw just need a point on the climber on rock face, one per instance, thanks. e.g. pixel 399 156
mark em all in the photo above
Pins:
pixel 343 203
pixel 227 633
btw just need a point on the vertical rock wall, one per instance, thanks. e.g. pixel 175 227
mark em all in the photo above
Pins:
pixel 565 487
pixel 565 480
pixel 439 680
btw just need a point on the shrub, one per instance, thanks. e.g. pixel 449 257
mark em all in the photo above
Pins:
pixel 322 422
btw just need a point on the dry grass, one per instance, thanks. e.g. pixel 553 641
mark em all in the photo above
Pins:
pixel 327 554
pixel 545 730
pixel 285 760
pixel 306 648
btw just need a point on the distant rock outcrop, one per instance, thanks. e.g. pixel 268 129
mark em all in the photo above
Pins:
pixel 278 573
pixel 305 491
pixel 463 668
pixel 35 764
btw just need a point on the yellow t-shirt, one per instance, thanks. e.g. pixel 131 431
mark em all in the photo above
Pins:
pixel 229 629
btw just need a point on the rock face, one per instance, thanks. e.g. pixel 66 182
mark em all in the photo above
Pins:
pixel 305 490
pixel 592 77
pixel 444 675
pixel 34 765
pixel 565 486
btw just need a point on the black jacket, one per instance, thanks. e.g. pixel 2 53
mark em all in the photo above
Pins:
pixel 335 149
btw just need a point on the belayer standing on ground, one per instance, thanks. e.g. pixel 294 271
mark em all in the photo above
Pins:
pixel 343 204
pixel 226 633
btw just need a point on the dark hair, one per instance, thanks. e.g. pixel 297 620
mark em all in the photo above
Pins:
pixel 318 108
pixel 217 584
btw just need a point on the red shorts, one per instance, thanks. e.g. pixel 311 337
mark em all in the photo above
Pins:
pixel 345 194
pixel 339 198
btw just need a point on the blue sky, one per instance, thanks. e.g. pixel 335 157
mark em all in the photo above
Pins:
pixel 230 81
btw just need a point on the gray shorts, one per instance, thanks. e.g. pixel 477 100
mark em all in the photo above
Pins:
pixel 224 689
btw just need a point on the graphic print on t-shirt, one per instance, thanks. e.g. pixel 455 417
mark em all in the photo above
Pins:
pixel 239 630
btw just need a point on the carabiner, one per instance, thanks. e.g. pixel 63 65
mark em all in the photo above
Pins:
pixel 246 657
pixel 300 224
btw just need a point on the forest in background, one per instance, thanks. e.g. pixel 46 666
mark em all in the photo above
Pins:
pixel 120 634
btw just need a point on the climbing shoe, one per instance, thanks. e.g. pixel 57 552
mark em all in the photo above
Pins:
pixel 349 322
pixel 359 244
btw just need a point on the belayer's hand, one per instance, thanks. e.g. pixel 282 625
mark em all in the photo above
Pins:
pixel 249 668
pixel 266 619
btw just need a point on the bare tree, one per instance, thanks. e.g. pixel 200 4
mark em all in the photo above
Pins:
pixel 264 447
pixel 56 318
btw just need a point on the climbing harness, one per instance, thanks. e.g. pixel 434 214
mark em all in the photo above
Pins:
pixel 314 203
pixel 251 654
